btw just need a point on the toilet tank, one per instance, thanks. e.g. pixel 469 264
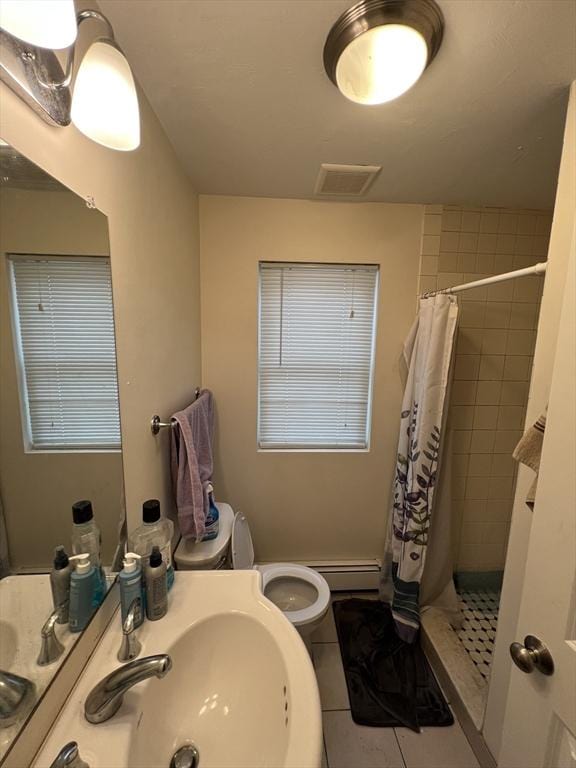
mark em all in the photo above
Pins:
pixel 206 555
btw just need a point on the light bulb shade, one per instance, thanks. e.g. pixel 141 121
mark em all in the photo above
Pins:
pixel 378 49
pixel 104 102
pixel 381 64
pixel 41 23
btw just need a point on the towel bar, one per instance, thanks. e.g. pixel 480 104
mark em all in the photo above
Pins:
pixel 156 424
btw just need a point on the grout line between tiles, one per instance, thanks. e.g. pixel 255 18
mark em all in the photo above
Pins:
pixel 399 747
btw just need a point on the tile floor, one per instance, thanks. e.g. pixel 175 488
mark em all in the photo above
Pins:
pixel 347 745
pixel 478 631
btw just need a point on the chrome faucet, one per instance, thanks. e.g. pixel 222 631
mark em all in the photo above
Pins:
pixel 51 648
pixel 131 646
pixel 16 696
pixel 69 757
pixel 105 699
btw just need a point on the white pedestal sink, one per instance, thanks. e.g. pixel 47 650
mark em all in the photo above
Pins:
pixel 241 689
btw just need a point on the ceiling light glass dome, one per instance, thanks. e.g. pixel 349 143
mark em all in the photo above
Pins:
pixel 378 49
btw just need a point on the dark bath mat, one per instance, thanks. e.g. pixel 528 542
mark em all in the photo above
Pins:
pixel 390 682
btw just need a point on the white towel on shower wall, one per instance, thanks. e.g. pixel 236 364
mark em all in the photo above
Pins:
pixel 428 354
pixel 528 452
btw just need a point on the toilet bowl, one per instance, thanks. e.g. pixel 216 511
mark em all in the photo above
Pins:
pixel 301 593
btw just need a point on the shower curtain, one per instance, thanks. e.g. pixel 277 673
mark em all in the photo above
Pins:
pixel 420 511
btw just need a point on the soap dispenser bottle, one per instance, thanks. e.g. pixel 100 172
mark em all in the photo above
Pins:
pixel 156 586
pixel 83 592
pixel 60 584
pixel 131 588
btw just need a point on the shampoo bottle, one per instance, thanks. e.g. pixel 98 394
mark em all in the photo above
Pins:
pixel 83 589
pixel 60 584
pixel 131 587
pixel 156 586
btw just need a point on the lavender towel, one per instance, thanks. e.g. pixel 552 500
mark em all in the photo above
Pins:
pixel 191 464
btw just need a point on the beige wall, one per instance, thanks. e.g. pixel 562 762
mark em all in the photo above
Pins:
pixel 38 488
pixel 494 352
pixel 152 215
pixel 302 505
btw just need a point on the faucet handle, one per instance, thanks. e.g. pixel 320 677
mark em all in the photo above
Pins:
pixel 131 646
pixel 69 757
pixel 51 648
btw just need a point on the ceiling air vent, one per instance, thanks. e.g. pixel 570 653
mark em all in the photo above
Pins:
pixel 345 180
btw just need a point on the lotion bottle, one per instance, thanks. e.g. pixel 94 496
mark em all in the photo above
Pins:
pixel 156 586
pixel 131 587
pixel 83 592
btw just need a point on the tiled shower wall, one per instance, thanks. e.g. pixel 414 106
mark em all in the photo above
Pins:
pixel 495 347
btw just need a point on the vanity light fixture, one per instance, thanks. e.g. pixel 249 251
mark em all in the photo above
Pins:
pixel 101 100
pixel 378 49
pixel 42 23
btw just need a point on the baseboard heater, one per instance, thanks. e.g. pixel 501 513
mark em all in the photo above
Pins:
pixel 348 576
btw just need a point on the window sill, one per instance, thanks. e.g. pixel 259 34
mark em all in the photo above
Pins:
pixel 313 450
pixel 63 451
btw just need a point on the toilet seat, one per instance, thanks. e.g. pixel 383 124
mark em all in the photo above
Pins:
pixel 243 559
pixel 292 571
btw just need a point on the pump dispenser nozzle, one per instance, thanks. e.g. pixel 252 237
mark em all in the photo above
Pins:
pixel 131 562
pixel 82 561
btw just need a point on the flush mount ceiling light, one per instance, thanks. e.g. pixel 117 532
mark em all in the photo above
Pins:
pixel 378 49
pixel 102 103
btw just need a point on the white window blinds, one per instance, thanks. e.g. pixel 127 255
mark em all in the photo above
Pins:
pixel 316 350
pixel 64 339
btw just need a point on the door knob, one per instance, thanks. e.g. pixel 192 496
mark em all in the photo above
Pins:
pixel 532 655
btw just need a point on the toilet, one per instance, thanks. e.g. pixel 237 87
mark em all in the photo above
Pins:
pixel 301 593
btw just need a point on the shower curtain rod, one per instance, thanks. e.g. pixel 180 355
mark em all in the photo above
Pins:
pixel 535 269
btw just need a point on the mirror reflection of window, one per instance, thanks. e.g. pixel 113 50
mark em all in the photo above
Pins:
pixel 63 323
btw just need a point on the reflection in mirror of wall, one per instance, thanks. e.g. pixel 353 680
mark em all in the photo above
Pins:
pixel 60 427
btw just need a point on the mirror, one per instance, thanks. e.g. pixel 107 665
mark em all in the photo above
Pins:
pixel 59 429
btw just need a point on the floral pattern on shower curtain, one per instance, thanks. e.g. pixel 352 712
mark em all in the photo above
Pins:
pixel 427 354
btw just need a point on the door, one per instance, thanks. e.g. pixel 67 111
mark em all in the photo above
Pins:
pixel 540 722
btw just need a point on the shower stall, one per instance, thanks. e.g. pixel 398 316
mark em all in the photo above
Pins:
pixel 492 365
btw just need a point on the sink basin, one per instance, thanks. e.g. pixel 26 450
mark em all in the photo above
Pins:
pixel 227 693
pixel 242 689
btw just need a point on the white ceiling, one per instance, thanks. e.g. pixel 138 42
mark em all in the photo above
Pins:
pixel 240 88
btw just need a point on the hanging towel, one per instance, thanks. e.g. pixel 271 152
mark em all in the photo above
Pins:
pixel 191 464
pixel 428 355
pixel 528 452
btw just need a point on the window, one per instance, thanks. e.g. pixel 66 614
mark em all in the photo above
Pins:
pixel 66 357
pixel 316 355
